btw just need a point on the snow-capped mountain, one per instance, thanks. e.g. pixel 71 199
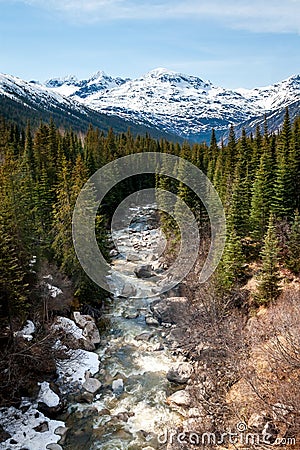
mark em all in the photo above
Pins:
pixel 178 103
pixel 17 89
pixel 22 100
pixel 81 89
pixel 174 103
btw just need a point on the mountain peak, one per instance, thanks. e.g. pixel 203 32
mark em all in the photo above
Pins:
pixel 159 71
pixel 57 82
pixel 100 74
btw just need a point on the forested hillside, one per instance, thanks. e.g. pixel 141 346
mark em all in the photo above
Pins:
pixel 42 173
pixel 257 178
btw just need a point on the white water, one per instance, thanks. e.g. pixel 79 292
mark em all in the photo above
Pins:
pixel 142 365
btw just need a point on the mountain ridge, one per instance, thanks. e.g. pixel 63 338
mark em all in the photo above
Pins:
pixel 186 105
pixel 170 102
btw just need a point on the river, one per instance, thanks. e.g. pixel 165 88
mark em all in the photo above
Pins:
pixel 130 411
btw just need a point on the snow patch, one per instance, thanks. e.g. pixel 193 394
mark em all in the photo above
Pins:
pixel 78 363
pixel 23 426
pixel 54 291
pixel 27 331
pixel 69 326
pixel 47 396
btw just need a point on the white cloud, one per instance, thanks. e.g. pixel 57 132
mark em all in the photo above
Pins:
pixel 254 15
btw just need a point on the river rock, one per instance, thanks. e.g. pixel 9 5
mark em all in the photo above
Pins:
pixel 62 432
pixel 89 327
pixel 144 336
pixel 118 386
pixel 128 290
pixel 92 385
pixel 180 398
pixel 144 271
pixel 133 257
pixel 180 373
pixel 54 447
pixel 171 310
pixel 151 321
pixel 130 314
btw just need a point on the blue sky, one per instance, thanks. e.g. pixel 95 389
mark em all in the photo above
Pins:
pixel 233 43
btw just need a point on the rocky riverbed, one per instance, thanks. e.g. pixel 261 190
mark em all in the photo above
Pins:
pixel 125 388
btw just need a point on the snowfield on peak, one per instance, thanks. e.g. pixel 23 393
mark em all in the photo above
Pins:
pixel 179 104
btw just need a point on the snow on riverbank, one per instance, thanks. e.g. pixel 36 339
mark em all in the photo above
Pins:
pixel 79 362
pixel 31 429
pixel 47 396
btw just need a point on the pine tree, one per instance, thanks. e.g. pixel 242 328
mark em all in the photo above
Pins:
pixel 262 194
pixel 13 286
pixel 269 278
pixel 295 161
pixel 283 201
pixel 293 257
pixel 232 266
pixel 62 221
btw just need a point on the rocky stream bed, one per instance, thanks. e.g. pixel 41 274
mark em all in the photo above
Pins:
pixel 123 389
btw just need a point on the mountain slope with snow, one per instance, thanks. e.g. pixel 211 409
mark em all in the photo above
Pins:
pixel 161 100
pixel 21 101
pixel 181 104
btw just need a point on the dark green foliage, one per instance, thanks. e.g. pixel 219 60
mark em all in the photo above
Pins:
pixel 293 257
pixel 262 193
pixel 232 266
pixel 269 278
pixel 42 170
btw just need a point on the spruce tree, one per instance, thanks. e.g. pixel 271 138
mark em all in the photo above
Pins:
pixel 232 266
pixel 269 277
pixel 283 201
pixel 293 257
pixel 262 194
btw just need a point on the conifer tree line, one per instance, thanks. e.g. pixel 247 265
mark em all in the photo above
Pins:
pixel 43 171
pixel 41 175
pixel 258 180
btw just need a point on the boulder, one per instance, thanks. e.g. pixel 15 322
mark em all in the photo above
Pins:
pixel 180 373
pixel 54 447
pixel 144 271
pixel 151 321
pixel 62 432
pixel 171 310
pixel 133 257
pixel 92 385
pixel 128 290
pixel 89 327
pixel 118 386
pixel 180 398
pixel 144 336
